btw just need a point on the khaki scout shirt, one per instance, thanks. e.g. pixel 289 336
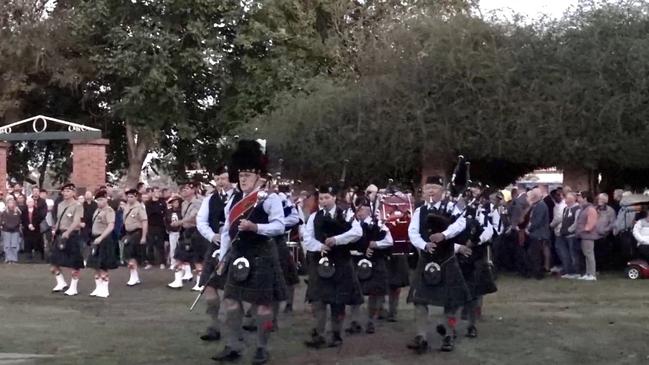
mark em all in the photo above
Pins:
pixel 189 211
pixel 135 215
pixel 101 219
pixel 73 213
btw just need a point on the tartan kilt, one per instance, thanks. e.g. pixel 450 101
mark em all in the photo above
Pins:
pixel 210 264
pixel 478 273
pixel 377 284
pixel 70 256
pixel 133 250
pixel 342 288
pixel 451 292
pixel 286 261
pixel 105 257
pixel 191 246
pixel 398 271
pixel 265 282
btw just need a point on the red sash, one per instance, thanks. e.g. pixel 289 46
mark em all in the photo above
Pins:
pixel 240 210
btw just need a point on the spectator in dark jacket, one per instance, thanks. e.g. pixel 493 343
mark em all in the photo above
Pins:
pixel 538 232
pixel 31 219
pixel 10 227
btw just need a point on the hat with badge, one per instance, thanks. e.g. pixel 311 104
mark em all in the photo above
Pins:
pixel 331 189
pixel 434 180
pixel 69 186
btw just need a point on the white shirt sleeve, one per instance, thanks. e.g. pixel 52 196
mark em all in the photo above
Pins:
pixel 354 234
pixel 637 233
pixel 413 231
pixel 387 241
pixel 310 242
pixel 225 232
pixel 457 227
pixel 275 226
pixel 488 231
pixel 495 220
pixel 202 220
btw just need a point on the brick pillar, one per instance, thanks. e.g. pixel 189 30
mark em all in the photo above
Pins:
pixel 89 163
pixel 3 166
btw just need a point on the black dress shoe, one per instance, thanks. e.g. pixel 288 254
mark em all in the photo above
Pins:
pixel 336 340
pixel 354 328
pixel 448 344
pixel 211 335
pixel 227 354
pixel 369 329
pixel 316 341
pixel 261 356
pixel 249 327
pixel 472 332
pixel 419 345
pixel 391 318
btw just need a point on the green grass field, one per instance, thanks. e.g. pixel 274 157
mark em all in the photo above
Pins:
pixel 526 322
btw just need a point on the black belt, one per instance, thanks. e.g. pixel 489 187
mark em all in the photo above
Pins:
pixel 134 231
pixel 60 231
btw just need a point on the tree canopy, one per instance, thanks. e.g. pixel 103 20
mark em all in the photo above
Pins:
pixel 392 86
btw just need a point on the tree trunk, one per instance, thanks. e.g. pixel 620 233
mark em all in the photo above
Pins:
pixel 42 169
pixel 138 146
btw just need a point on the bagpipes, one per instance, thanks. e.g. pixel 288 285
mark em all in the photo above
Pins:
pixel 241 211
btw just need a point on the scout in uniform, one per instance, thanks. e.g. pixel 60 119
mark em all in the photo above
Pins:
pixel 191 246
pixel 66 246
pixel 136 226
pixel 102 256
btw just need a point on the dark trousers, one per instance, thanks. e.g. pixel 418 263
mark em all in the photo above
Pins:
pixel 534 258
pixel 155 242
pixel 33 241
pixel 643 251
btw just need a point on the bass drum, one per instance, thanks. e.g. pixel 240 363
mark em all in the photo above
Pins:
pixel 395 210
pixel 297 255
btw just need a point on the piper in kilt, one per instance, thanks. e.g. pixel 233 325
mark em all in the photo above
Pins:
pixel 66 245
pixel 286 260
pixel 437 280
pixel 332 280
pixel 477 267
pixel 191 246
pixel 370 258
pixel 103 254
pixel 209 220
pixel 136 227
pixel 254 275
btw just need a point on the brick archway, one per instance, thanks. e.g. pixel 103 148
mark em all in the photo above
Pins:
pixel 88 148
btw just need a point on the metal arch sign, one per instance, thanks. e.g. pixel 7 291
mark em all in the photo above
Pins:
pixel 39 126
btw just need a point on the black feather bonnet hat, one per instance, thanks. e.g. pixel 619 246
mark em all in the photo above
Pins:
pixel 247 157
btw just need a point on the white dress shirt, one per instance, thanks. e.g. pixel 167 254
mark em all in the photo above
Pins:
pixel 313 245
pixel 451 232
pixel 385 242
pixel 272 205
